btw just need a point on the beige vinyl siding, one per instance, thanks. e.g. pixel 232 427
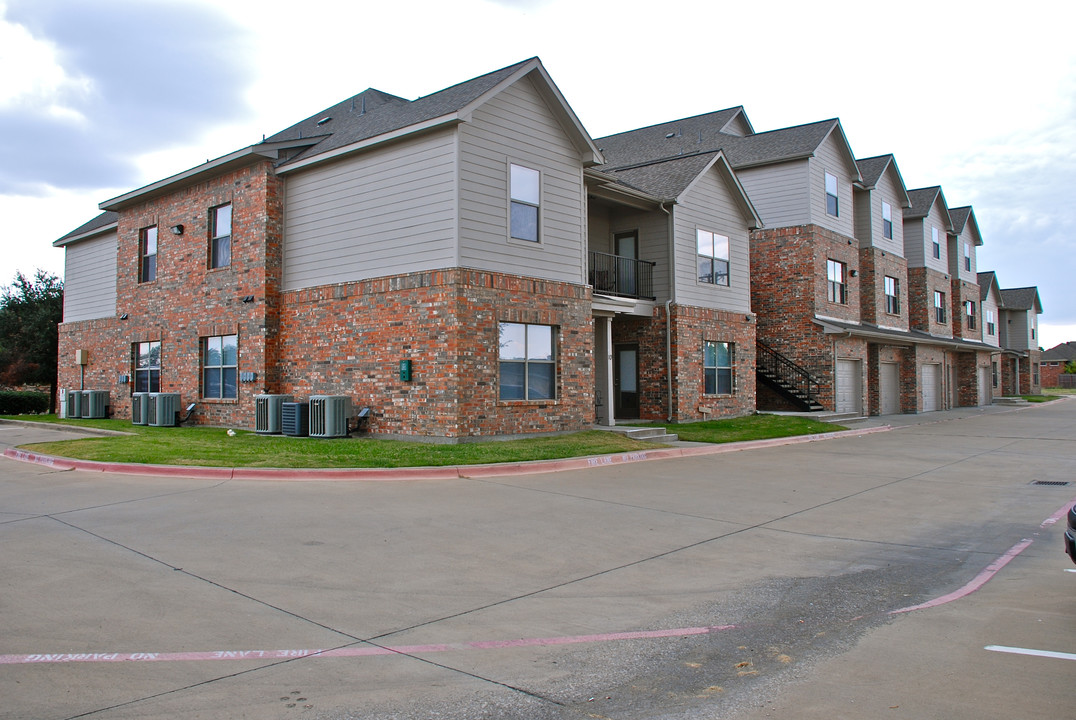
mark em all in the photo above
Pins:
pixel 1016 331
pixel 991 303
pixel 90 278
pixel 864 199
pixel 935 219
pixel 887 191
pixel 916 239
pixel 829 158
pixel 709 205
pixel 517 126
pixel 779 192
pixel 387 211
pixel 957 258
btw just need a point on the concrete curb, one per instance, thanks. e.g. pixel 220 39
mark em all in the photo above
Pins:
pixel 418 473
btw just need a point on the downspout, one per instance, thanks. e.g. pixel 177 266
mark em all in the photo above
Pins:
pixel 668 314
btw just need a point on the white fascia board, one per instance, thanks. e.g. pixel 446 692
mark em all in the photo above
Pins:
pixel 433 124
pixel 111 227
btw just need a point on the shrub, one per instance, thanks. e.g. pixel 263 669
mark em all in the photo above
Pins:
pixel 21 402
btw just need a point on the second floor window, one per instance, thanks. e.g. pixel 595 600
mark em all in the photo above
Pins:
pixel 525 193
pixel 220 236
pixel 713 257
pixel 147 366
pixel 835 273
pixel 967 256
pixel 147 254
pixel 935 241
pixel 887 221
pixel 892 295
pixel 990 322
pixel 969 310
pixel 939 306
pixel 832 198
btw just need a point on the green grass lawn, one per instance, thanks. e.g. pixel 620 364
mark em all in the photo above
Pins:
pixel 209 447
pixel 1039 398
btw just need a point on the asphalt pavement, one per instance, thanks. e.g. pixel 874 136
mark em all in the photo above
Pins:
pixel 857 577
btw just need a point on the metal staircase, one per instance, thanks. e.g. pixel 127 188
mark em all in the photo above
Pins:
pixel 787 378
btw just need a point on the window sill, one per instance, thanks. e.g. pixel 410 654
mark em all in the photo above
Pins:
pixel 527 403
pixel 219 401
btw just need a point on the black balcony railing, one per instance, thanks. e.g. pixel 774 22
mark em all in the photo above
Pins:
pixel 622 276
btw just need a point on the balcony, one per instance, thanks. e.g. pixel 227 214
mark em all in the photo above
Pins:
pixel 621 276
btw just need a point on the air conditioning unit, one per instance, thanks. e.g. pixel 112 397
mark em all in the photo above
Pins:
pixel 74 404
pixel 162 409
pixel 329 415
pixel 267 413
pixel 295 419
pixel 95 404
pixel 140 408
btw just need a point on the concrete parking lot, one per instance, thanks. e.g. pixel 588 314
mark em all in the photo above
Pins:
pixel 754 584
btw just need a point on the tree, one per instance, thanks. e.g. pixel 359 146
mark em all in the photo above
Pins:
pixel 30 310
pixel 1070 368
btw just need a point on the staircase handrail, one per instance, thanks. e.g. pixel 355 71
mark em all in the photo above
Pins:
pixel 784 369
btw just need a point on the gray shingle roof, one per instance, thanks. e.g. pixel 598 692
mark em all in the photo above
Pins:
pixel 103 220
pixel 985 280
pixel 1025 298
pixel 687 136
pixel 664 179
pixel 959 217
pixel 372 113
pixel 871 169
pixel 778 145
pixel 1065 352
pixel 922 200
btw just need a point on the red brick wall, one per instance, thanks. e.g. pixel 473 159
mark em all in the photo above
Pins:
pixel 962 291
pixel 874 266
pixel 188 301
pixel 789 287
pixel 922 282
pixel 348 339
pixel 692 326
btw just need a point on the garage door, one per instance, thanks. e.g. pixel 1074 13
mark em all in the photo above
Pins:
pixel 888 389
pixel 849 386
pixel 931 387
pixel 985 392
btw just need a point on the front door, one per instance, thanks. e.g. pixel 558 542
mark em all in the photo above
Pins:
pixel 626 381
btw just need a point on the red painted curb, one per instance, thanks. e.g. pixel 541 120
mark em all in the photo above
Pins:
pixel 420 473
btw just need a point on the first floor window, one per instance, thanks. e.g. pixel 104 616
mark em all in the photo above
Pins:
pixel 1034 373
pixel 892 295
pixel 887 221
pixel 717 360
pixel 939 306
pixel 838 291
pixel 969 309
pixel 527 356
pixel 220 236
pixel 220 367
pixel 990 325
pixel 713 257
pixel 147 254
pixel 994 372
pixel 832 198
pixel 147 366
pixel 525 191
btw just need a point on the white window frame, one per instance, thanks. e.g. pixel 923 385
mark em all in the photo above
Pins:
pixel 939 306
pixel 892 299
pixel 969 313
pixel 967 256
pixel 218 240
pixel 837 287
pixel 524 195
pixel 527 362
pixel 146 375
pixel 935 240
pixel 145 236
pixel 707 249
pixel 990 327
pixel 717 369
pixel 220 367
pixel 887 220
pixel 835 194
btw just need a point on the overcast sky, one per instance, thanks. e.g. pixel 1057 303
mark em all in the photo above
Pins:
pixel 979 97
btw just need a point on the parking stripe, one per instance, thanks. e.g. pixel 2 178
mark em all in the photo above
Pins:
pixel 1028 651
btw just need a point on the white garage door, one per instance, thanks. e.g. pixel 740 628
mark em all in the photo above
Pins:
pixel 985 391
pixel 849 386
pixel 931 387
pixel 889 389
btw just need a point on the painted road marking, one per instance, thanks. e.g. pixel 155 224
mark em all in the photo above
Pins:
pixel 977 582
pixel 1027 651
pixel 363 651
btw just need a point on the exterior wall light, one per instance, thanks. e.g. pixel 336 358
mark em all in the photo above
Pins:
pixel 177 229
